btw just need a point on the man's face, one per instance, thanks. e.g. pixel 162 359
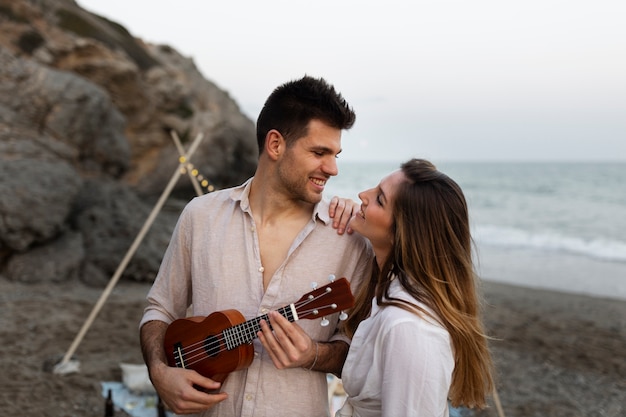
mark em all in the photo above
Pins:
pixel 306 166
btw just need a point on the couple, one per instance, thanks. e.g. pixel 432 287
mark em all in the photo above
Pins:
pixel 413 340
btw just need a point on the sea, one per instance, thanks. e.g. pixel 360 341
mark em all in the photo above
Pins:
pixel 556 226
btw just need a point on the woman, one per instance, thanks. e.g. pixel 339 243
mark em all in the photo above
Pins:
pixel 418 341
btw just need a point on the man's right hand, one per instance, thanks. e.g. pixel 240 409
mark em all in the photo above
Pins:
pixel 185 391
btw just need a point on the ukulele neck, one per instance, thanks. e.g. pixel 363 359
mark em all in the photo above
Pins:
pixel 246 332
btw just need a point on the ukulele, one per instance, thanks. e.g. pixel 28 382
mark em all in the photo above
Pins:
pixel 221 343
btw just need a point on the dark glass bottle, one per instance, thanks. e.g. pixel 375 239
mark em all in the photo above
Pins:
pixel 108 406
pixel 160 408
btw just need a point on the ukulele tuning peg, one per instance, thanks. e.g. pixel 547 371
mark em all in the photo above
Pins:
pixel 332 277
pixel 324 322
pixel 343 316
pixel 313 286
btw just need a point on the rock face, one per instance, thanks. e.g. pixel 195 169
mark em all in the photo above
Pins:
pixel 87 113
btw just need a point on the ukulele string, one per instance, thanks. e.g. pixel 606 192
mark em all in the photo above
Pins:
pixel 196 352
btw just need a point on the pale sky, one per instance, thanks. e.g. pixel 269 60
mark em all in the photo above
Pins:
pixel 448 80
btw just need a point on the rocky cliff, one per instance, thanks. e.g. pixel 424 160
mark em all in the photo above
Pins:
pixel 86 116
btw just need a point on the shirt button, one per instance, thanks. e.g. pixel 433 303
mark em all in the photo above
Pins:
pixel 248 397
pixel 261 269
pixel 264 310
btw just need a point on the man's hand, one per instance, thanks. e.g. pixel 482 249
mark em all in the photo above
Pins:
pixel 288 345
pixel 180 389
pixel 341 211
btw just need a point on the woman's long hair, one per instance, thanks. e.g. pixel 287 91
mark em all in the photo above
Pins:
pixel 432 259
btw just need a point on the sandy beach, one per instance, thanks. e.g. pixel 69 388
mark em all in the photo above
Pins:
pixel 556 354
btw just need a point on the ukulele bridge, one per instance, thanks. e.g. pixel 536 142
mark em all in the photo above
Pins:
pixel 179 358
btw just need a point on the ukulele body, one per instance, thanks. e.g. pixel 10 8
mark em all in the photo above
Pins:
pixel 196 343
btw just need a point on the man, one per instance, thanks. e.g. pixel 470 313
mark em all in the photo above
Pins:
pixel 255 248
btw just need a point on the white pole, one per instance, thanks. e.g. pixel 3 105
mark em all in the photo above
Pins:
pixel 181 152
pixel 63 367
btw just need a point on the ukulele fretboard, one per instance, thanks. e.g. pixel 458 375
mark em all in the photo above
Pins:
pixel 246 332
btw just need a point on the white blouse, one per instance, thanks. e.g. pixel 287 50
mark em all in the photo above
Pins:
pixel 399 364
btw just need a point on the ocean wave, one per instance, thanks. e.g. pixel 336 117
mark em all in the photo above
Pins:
pixel 598 248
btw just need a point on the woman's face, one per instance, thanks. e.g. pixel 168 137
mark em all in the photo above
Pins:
pixel 375 219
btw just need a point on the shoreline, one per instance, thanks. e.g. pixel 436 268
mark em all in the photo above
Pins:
pixel 556 353
pixel 556 271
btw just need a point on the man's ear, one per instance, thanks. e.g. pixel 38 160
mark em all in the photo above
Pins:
pixel 274 144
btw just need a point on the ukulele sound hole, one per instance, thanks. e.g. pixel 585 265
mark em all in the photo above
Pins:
pixel 212 346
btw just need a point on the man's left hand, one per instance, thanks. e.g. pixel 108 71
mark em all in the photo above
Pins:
pixel 288 345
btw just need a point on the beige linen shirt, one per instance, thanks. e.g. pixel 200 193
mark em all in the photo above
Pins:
pixel 212 263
